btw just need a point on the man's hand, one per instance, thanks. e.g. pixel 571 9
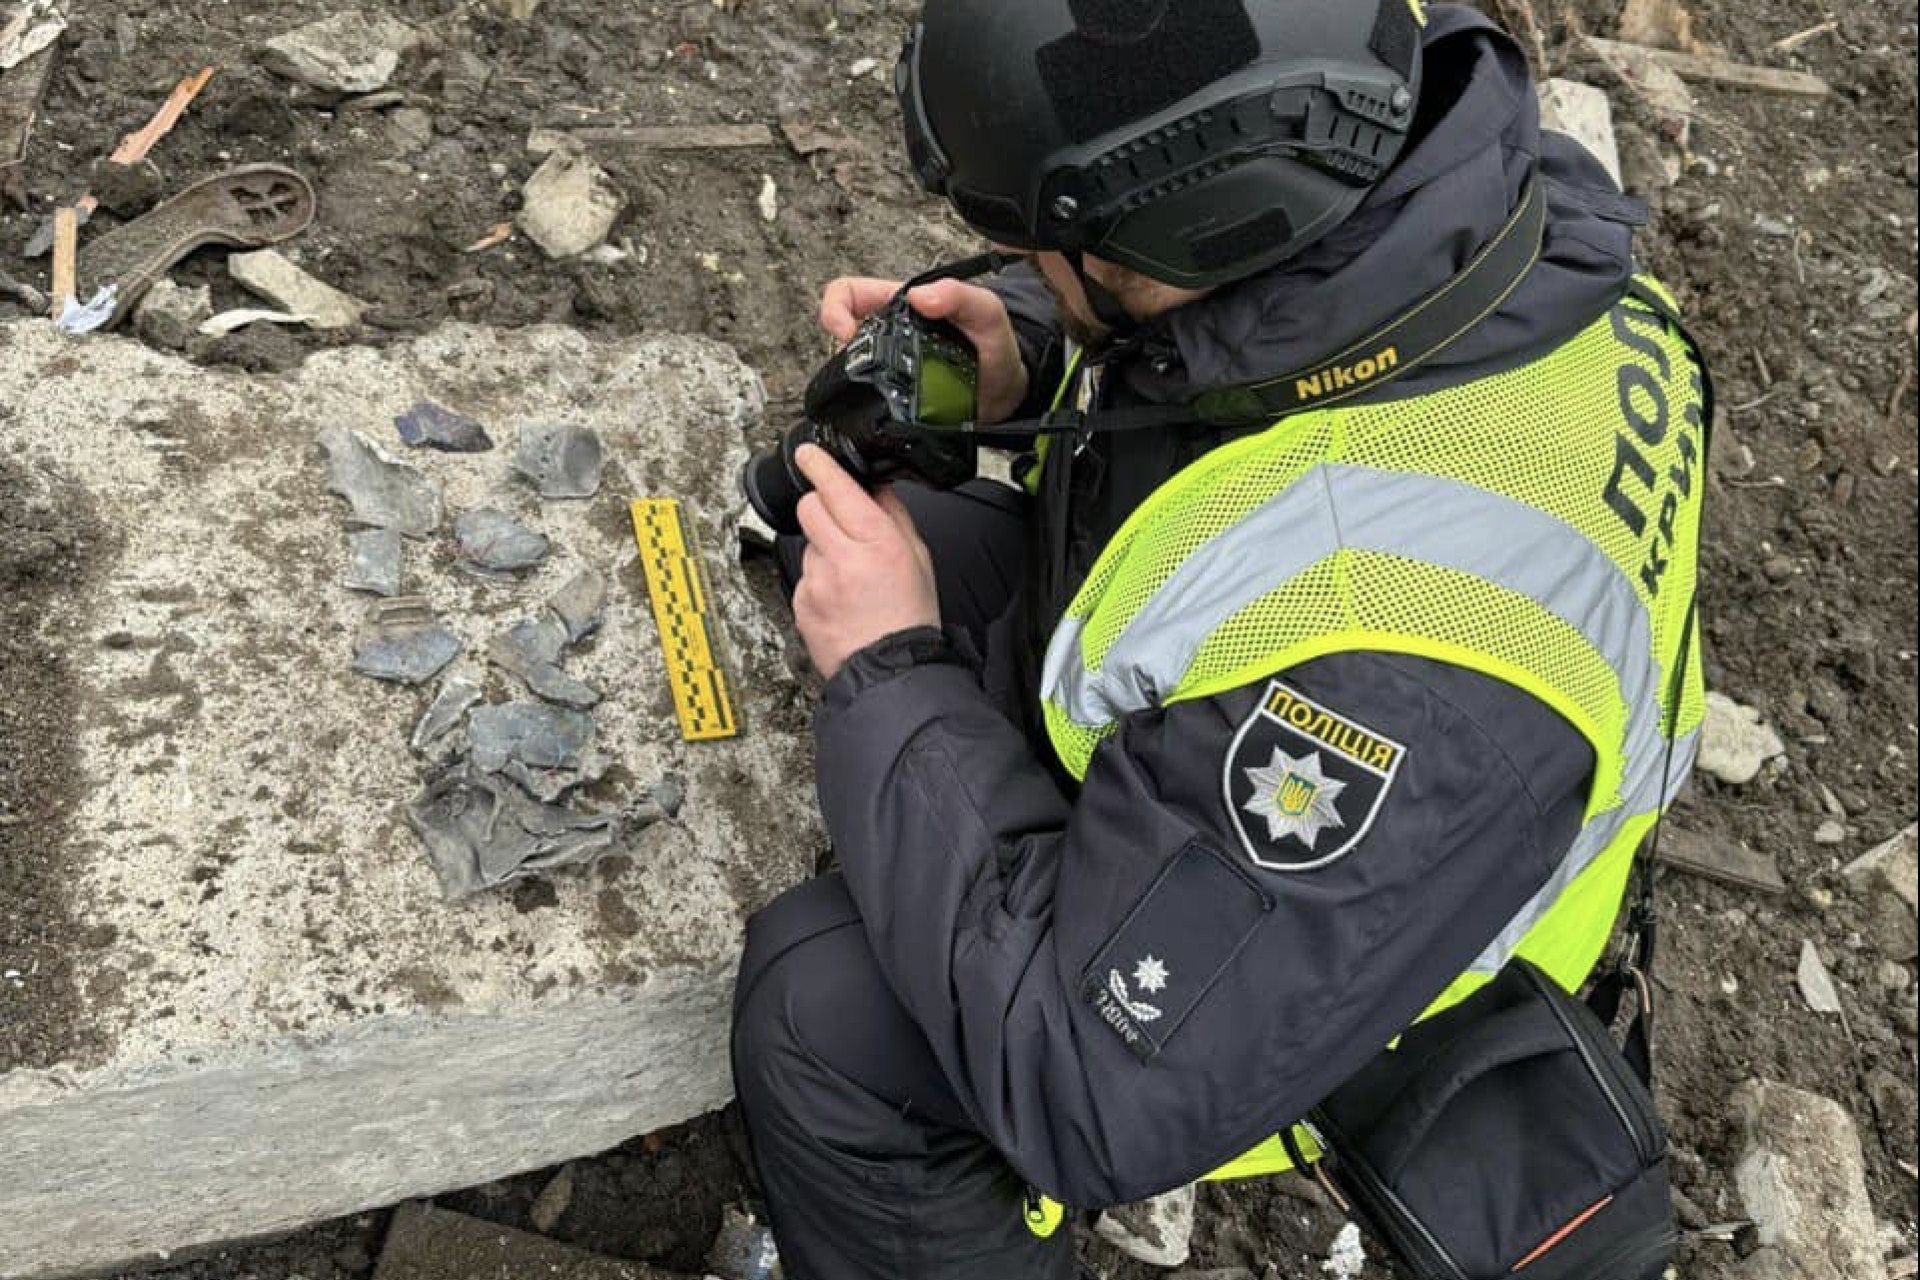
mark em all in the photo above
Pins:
pixel 866 573
pixel 974 311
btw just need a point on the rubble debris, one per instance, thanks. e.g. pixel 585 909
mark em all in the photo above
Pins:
pixel 1718 859
pixel 1661 24
pixel 449 707
pixel 1664 93
pixel 170 314
pixel 431 426
pixel 126 190
pixel 532 733
pixel 31 30
pixel 426 1242
pixel 1734 742
pixel 569 205
pixel 247 208
pixel 1815 982
pixel 744 1248
pixel 1712 70
pixel 673 137
pixel 350 52
pixel 481 830
pixel 496 543
pixel 1158 1232
pixel 1803 1181
pixel 579 604
pixel 532 651
pixel 562 461
pixel 21 90
pixel 273 276
pixel 1583 113
pixel 230 321
pixel 402 640
pixel 1886 880
pixel 385 493
pixel 1347 1255
pixel 373 562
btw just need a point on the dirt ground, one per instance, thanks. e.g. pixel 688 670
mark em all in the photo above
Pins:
pixel 1790 238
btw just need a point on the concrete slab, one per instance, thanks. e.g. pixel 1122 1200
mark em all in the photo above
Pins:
pixel 284 1021
pixel 427 1243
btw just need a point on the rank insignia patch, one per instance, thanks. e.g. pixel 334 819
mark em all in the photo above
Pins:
pixel 1303 783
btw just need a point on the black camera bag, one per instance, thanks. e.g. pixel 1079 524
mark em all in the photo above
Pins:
pixel 1507 1135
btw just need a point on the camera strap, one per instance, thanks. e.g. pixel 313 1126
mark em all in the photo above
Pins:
pixel 1392 351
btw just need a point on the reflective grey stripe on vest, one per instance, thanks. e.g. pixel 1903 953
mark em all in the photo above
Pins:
pixel 1416 517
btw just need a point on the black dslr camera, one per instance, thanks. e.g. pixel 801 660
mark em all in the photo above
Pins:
pixel 898 400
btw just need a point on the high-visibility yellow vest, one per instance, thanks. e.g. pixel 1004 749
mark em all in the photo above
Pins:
pixel 1539 525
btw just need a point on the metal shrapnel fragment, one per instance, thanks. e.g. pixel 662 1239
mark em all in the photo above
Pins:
pixel 481 831
pixel 553 785
pixel 449 706
pixel 497 543
pixel 402 641
pixel 561 461
pixel 373 562
pixel 385 493
pixel 431 426
pixel 533 733
pixel 532 651
pixel 580 604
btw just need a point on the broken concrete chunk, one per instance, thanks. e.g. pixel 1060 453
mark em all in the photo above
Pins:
pixel 350 52
pixel 1734 742
pixel 449 706
pixel 272 275
pixel 1158 1232
pixel 373 562
pixel 1803 1181
pixel 580 603
pixel 168 315
pixel 429 1243
pixel 385 493
pixel 403 641
pixel 30 28
pixel 569 205
pixel 431 426
pixel 533 733
pixel 561 461
pixel 1583 113
pixel 1816 984
pixel 1887 880
pixel 494 541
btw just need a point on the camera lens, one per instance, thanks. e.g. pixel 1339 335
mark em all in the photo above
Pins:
pixel 774 485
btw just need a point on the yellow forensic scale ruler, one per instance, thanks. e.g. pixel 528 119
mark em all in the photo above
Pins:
pixel 701 696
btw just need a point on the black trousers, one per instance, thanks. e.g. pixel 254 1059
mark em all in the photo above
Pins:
pixel 869 1165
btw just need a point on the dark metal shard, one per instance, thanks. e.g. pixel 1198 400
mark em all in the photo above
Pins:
pixel 553 785
pixel 373 562
pixel 533 733
pixel 481 831
pixel 532 651
pixel 431 426
pixel 386 494
pixel 456 697
pixel 402 640
pixel 580 604
pixel 561 461
pixel 496 542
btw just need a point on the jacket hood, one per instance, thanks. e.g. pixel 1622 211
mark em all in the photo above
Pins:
pixel 1449 194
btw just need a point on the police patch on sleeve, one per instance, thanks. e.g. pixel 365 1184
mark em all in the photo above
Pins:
pixel 1303 783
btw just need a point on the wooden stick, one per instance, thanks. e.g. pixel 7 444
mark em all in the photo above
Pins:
pixel 1691 66
pixel 134 147
pixel 1787 44
pixel 687 137
pixel 66 259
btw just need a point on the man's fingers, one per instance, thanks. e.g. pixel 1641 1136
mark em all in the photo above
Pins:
pixel 976 312
pixel 817 524
pixel 845 302
pixel 851 508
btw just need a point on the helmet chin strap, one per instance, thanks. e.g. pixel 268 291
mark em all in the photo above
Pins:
pixel 1107 309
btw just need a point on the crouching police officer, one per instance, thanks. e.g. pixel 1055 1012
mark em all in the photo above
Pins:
pixel 1317 676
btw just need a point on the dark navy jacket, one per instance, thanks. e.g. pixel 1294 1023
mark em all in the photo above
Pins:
pixel 1010 908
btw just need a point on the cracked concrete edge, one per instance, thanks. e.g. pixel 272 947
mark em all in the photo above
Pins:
pixel 107 1169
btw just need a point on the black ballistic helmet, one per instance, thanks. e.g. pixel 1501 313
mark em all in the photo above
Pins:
pixel 1195 141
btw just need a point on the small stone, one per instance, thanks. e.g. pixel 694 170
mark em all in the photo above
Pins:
pixel 744 1249
pixel 126 190
pixel 1774 227
pixel 1886 881
pixel 569 205
pixel 1893 978
pixel 1830 833
pixel 769 199
pixel 350 52
pixel 1816 984
pixel 1734 742
pixel 863 67
pixel 410 128
pixel 1777 568
pixel 551 1205
pixel 431 426
pixel 273 276
pixel 1158 1232
pixel 170 316
pixel 1803 1181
